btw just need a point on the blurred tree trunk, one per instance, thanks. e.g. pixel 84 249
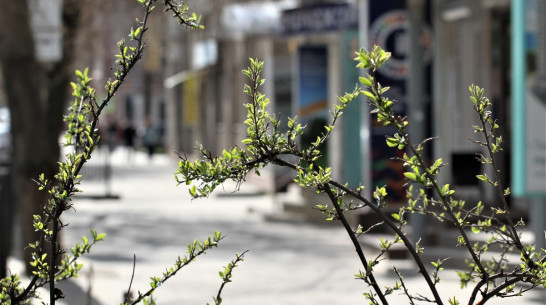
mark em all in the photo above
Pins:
pixel 36 94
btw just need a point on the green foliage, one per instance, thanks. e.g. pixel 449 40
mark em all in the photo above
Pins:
pixel 226 275
pixel 453 301
pixel 424 176
pixel 265 144
pixel 195 249
pixel 81 122
pixel 11 286
pixel 51 263
pixel 181 12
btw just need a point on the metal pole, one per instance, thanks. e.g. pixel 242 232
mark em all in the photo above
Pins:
pixel 537 222
pixel 6 219
pixel 537 213
pixel 416 103
pixel 518 98
pixel 363 21
pixel 108 174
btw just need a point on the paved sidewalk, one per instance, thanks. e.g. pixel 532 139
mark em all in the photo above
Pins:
pixel 288 263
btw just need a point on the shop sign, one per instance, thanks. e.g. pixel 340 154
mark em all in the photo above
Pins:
pixel 318 19
pixel 45 21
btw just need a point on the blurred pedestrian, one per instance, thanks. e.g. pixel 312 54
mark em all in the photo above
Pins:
pixel 129 134
pixel 112 136
pixel 150 139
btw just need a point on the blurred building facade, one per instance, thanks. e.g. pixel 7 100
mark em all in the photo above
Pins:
pixel 472 46
pixel 191 82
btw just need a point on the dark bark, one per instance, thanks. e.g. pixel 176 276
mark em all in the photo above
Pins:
pixel 37 95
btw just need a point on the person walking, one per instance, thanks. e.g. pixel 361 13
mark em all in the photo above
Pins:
pixel 129 134
pixel 150 139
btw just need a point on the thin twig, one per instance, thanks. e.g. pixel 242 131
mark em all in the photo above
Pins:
pixel 497 289
pixel 406 292
pixel 238 258
pixel 500 190
pixel 403 237
pixel 180 264
pixel 355 242
pixel 128 294
pixel 52 260
pixel 516 277
pixel 448 209
pixel 387 220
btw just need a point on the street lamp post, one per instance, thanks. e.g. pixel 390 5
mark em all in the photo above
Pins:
pixel 416 105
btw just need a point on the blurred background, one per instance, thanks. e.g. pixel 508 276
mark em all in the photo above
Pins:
pixel 188 88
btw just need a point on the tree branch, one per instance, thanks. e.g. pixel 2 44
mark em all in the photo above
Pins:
pixel 356 244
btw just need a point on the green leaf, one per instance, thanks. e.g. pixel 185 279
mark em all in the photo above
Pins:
pixel 369 95
pixel 137 32
pixel 392 142
pixel 437 163
pixel 410 176
pixel 453 301
pixel 483 178
pixel 193 191
pixel 365 81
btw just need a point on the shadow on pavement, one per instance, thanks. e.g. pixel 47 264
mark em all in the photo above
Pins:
pixel 75 295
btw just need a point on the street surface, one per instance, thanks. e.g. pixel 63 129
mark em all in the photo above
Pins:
pixel 287 263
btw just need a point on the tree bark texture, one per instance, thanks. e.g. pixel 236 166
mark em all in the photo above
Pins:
pixel 37 94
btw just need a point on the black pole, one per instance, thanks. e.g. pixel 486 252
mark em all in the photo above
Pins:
pixel 6 219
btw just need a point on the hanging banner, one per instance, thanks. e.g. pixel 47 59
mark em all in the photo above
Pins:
pixel 529 98
pixel 389 28
pixel 353 115
pixel 190 98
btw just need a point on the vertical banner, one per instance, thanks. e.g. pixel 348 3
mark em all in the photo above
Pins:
pixel 313 94
pixel 529 98
pixel 352 154
pixel 190 98
pixel 389 28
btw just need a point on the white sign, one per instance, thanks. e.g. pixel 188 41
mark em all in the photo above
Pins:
pixel 254 18
pixel 45 21
pixel 205 53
